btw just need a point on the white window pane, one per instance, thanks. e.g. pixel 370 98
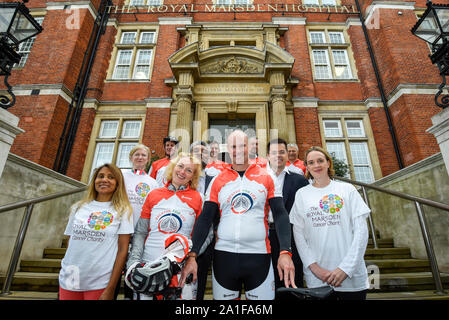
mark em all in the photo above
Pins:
pixel 147 37
pixel 319 57
pixel 317 37
pixel 103 154
pixel 337 149
pixel 154 2
pixel 222 2
pixel 124 57
pixel 137 2
pixel 363 174
pixel 342 69
pixel 359 153
pixel 144 56
pixel 355 128
pixel 142 67
pixel 128 38
pixel 336 37
pixel 339 56
pixel 108 129
pixel 242 2
pixel 123 155
pixel 332 128
pixel 131 129
pixel 328 2
pixel 309 2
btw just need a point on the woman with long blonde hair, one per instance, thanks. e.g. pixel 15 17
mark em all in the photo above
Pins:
pixel 170 210
pixel 99 227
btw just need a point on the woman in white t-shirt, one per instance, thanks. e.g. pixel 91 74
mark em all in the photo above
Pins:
pixel 99 227
pixel 137 182
pixel 330 230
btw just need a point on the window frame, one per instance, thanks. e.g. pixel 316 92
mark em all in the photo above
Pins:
pixel 330 48
pixel 117 141
pixel 134 48
pixel 347 139
pixel 24 54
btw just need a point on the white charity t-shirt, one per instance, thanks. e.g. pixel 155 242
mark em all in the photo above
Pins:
pixel 93 229
pixel 325 218
pixel 138 185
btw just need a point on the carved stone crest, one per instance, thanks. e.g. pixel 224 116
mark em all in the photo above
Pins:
pixel 232 65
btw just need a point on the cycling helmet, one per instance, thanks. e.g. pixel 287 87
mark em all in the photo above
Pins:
pixel 151 277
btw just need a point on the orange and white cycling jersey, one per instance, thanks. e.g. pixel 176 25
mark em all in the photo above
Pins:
pixel 244 208
pixel 157 171
pixel 215 168
pixel 169 212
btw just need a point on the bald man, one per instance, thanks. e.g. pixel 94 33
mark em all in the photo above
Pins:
pixel 242 196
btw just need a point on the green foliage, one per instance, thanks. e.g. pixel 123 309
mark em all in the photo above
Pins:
pixel 340 167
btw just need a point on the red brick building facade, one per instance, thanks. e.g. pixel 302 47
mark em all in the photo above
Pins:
pixel 299 69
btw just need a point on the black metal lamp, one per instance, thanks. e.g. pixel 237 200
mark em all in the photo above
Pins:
pixel 433 27
pixel 16 26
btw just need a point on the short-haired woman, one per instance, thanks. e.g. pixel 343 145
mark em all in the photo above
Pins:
pixel 168 210
pixel 99 227
pixel 330 230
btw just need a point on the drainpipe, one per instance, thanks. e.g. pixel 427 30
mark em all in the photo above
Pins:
pixel 380 86
pixel 76 105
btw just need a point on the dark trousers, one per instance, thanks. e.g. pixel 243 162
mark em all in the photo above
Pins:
pixel 204 262
pixel 274 242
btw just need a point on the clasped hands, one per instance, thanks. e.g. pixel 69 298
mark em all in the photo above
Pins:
pixel 333 278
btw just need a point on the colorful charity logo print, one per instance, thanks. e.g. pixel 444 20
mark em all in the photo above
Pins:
pixel 169 223
pixel 331 203
pixel 100 220
pixel 142 189
pixel 241 203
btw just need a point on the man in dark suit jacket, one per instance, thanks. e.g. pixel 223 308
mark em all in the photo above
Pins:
pixel 291 182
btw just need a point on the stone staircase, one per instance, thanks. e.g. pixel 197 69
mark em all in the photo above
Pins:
pixel 401 276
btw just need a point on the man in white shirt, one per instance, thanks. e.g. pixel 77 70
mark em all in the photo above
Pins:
pixel 290 182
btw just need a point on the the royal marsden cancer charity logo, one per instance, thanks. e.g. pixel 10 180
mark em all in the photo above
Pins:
pixel 169 223
pixel 142 189
pixel 331 203
pixel 100 220
pixel 241 203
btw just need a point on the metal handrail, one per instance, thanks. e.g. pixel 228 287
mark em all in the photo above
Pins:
pixel 29 206
pixel 421 218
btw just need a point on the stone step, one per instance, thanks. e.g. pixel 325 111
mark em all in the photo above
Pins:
pixel 382 243
pixel 387 253
pixel 30 295
pixel 54 253
pixel 399 265
pixel 34 281
pixel 41 265
pixel 415 295
pixel 410 281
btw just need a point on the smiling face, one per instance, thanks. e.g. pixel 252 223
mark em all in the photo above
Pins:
pixel 139 159
pixel 277 156
pixel 183 172
pixel 292 154
pixel 317 164
pixel 170 149
pixel 238 147
pixel 105 184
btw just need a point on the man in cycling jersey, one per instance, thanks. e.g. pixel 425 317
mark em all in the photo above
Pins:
pixel 242 196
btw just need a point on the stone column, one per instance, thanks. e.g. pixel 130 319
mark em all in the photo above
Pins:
pixel 440 130
pixel 184 121
pixel 279 114
pixel 8 132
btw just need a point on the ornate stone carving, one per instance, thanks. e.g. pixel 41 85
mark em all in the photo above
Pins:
pixel 232 65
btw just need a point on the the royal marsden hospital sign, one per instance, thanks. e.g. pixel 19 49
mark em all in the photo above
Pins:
pixel 261 7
